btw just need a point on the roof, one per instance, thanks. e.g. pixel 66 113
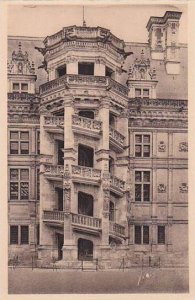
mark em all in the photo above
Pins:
pixel 168 87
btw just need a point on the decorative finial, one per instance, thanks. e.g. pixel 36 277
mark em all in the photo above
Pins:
pixel 84 23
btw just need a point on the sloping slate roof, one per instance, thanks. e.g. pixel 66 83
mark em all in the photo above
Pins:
pixel 169 86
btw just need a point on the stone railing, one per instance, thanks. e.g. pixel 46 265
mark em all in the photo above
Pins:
pixel 165 103
pixel 117 183
pixel 118 87
pixel 117 136
pixel 53 215
pixel 86 123
pixel 86 80
pixel 86 172
pixel 21 96
pixel 54 170
pixel 54 120
pixel 86 221
pixel 117 229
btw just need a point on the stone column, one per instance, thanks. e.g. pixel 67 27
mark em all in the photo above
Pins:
pixel 103 163
pixel 99 68
pixel 69 248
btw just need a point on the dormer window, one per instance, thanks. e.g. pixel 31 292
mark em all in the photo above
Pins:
pixel 142 93
pixel 86 68
pixel 16 87
pixel 24 87
pixel 20 87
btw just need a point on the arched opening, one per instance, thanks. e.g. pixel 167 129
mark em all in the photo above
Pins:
pixel 85 249
pixel 85 156
pixel 85 204
pixel 111 211
pixel 87 114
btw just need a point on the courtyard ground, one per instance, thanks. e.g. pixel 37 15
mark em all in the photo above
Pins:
pixel 44 281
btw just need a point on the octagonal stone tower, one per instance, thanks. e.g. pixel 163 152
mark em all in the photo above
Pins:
pixel 84 137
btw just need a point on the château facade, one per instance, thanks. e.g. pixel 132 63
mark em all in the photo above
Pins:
pixel 98 147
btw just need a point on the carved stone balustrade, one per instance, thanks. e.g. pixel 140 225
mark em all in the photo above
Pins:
pixel 86 126
pixel 117 185
pixel 82 80
pixel 54 124
pixel 54 172
pixel 117 140
pixel 53 216
pixel 86 175
pixel 116 229
pixel 86 222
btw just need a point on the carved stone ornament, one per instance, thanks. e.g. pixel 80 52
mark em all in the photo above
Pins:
pixel 161 188
pixel 183 188
pixel 161 146
pixel 183 147
pixel 141 69
pixel 67 198
pixel 20 63
pixel 66 181
pixel 106 200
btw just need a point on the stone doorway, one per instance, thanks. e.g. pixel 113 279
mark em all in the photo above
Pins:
pixel 60 243
pixel 85 249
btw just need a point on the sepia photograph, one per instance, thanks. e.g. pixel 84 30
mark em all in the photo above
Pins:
pixel 97 148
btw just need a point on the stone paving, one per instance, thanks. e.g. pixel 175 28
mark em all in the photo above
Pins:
pixel 44 281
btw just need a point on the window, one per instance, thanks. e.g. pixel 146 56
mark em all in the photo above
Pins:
pixel 109 72
pixel 141 234
pixel 19 234
pixel 86 114
pixel 19 184
pixel 142 93
pixel 24 87
pixel 86 68
pixel 142 186
pixel 38 185
pixel 85 156
pixel 38 142
pixel 138 93
pixel 13 234
pixel 19 142
pixel 142 145
pixel 145 93
pixel 61 71
pixel 16 87
pixel 20 87
pixel 38 234
pixel 24 235
pixel 161 234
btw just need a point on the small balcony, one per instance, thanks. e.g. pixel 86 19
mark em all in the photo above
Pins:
pixel 54 124
pixel 54 172
pixel 117 185
pixel 53 218
pixel 117 140
pixel 116 230
pixel 86 126
pixel 86 175
pixel 86 223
